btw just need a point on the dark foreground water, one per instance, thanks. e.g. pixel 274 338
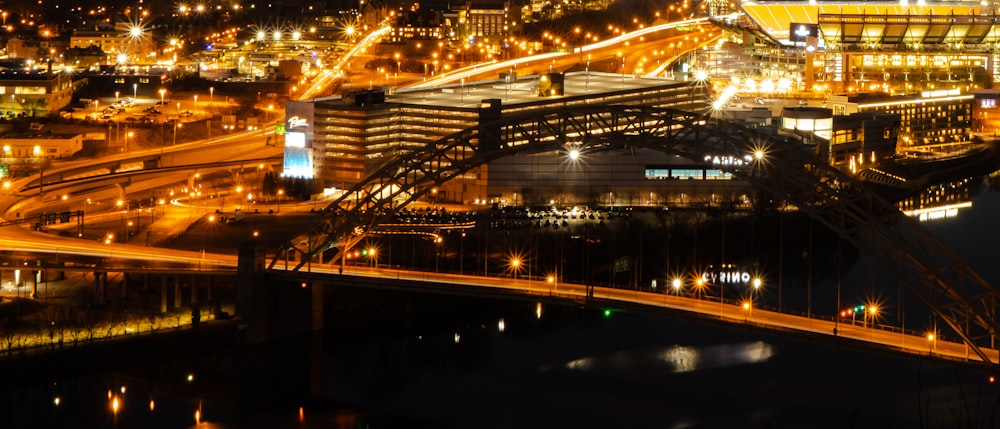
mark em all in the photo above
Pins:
pixel 461 363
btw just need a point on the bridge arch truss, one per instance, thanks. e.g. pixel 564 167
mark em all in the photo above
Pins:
pixel 959 296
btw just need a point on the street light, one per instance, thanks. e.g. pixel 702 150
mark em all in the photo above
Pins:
pixel 163 92
pixel 135 91
pixel 204 235
pixel 211 100
pixel 756 287
pixel 116 97
pixel 121 203
pixel 515 266
pixel 177 124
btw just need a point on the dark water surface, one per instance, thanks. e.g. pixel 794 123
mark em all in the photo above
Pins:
pixel 450 364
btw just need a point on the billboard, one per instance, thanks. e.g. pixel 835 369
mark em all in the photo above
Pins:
pixel 298 128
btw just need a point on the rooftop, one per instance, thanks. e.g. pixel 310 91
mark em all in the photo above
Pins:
pixel 776 17
pixel 524 90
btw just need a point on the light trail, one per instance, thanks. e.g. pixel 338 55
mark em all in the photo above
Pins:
pixel 330 77
pixel 466 72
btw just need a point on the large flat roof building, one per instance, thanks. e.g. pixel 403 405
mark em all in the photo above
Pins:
pixel 340 140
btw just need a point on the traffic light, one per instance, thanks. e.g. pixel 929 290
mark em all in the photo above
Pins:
pixel 607 312
pixel 64 217
pixel 364 252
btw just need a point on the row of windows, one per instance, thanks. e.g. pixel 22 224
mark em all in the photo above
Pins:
pixel 687 174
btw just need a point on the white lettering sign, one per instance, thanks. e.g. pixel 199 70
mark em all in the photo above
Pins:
pixel 296 121
pixel 726 277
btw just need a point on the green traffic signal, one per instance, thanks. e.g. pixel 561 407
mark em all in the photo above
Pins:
pixel 607 312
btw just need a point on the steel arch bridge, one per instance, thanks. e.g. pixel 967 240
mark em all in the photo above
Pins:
pixel 930 271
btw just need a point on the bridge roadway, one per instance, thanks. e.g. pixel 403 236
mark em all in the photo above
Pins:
pixel 139 260
pixel 880 335
pixel 635 46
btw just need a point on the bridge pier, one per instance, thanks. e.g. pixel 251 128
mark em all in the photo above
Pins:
pixel 163 294
pixel 268 308
pixel 194 290
pixel 177 292
pixel 100 287
pixel 317 306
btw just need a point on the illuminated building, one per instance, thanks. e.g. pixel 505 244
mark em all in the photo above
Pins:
pixel 114 43
pixel 340 140
pixel 932 120
pixel 859 47
pixel 858 138
pixel 35 94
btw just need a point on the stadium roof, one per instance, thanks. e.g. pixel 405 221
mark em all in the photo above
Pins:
pixel 869 21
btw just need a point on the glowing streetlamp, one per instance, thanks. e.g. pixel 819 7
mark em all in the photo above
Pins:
pixel 204 234
pixel 177 124
pixel 135 90
pixel 515 266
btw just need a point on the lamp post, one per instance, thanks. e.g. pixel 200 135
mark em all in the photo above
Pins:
pixel 756 287
pixel 204 235
pixel 211 101
pixel 196 104
pixel 281 192
pixel 135 91
pixel 121 203
pixel 116 96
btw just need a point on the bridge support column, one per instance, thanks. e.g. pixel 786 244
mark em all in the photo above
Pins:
pixel 100 287
pixel 163 294
pixel 194 290
pixel 209 290
pixel 317 306
pixel 34 284
pixel 250 302
pixel 177 292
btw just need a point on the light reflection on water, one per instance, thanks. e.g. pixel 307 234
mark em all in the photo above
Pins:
pixel 678 358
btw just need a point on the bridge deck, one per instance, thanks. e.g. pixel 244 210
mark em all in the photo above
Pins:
pixel 882 336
